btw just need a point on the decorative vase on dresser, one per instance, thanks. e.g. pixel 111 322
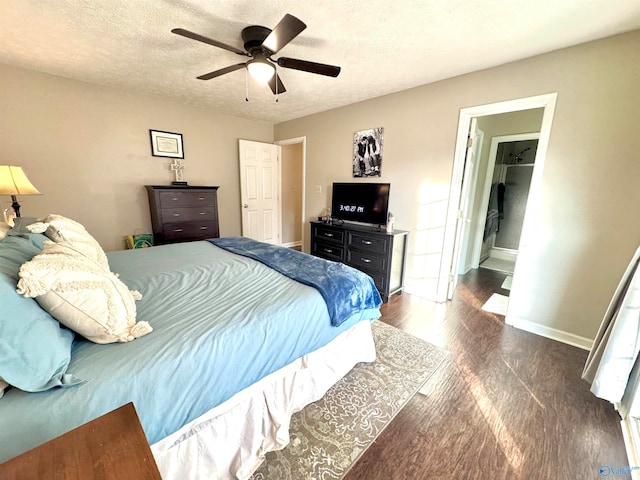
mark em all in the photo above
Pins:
pixel 183 213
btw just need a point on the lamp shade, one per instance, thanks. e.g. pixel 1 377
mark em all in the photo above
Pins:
pixel 13 181
pixel 261 70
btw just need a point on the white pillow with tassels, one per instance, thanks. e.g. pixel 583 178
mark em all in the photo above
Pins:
pixel 65 230
pixel 82 295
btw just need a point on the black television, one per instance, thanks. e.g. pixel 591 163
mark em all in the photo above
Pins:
pixel 360 202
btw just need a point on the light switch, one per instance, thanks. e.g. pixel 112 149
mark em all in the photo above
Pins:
pixel 318 188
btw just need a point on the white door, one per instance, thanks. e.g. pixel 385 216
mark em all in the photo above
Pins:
pixel 464 206
pixel 473 157
pixel 260 191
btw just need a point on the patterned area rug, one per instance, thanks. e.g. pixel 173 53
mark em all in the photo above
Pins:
pixel 328 436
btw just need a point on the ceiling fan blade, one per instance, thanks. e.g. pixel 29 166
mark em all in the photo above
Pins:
pixel 222 71
pixel 287 29
pixel 272 84
pixel 312 67
pixel 210 41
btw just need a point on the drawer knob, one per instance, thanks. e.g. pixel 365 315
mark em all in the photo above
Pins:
pixel 328 234
pixel 328 250
pixel 178 229
pixel 176 214
pixel 174 198
pixel 201 198
pixel 204 228
pixel 202 213
pixel 365 260
pixel 366 242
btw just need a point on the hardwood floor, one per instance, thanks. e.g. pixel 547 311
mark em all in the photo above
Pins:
pixel 506 404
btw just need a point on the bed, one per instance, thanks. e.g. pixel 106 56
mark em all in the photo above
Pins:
pixel 236 348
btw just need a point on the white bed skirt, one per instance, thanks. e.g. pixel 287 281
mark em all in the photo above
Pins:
pixel 231 440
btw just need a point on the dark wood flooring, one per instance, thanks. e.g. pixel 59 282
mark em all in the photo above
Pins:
pixel 505 404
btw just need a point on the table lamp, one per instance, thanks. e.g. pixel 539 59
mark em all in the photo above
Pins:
pixel 14 182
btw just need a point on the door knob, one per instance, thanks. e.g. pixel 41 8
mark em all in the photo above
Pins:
pixel 245 206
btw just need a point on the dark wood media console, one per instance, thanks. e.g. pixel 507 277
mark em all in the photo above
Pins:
pixel 380 254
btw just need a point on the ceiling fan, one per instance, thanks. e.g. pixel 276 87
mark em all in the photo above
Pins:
pixel 260 43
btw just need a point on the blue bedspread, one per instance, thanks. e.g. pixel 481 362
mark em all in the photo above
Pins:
pixel 221 322
pixel 344 289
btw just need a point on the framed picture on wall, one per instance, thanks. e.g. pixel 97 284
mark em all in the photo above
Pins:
pixel 166 144
pixel 367 152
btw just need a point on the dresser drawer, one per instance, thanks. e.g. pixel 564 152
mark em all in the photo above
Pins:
pixel 187 230
pixel 327 250
pixel 188 214
pixel 365 261
pixel 380 280
pixel 329 233
pixel 187 198
pixel 370 243
pixel 381 255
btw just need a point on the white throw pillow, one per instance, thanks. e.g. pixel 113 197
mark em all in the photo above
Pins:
pixel 79 293
pixel 62 229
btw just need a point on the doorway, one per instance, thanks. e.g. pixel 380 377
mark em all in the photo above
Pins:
pixel 458 219
pixel 272 190
pixel 292 174
pixel 511 162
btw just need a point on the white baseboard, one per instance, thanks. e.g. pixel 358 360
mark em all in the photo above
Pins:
pixel 465 269
pixel 292 244
pixel 503 254
pixel 552 333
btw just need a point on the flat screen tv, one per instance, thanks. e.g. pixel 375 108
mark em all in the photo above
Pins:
pixel 360 202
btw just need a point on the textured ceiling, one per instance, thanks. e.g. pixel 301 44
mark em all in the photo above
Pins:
pixel 383 46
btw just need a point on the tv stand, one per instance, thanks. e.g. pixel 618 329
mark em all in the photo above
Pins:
pixel 380 254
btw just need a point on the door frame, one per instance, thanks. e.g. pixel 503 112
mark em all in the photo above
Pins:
pixel 493 152
pixel 546 101
pixel 293 141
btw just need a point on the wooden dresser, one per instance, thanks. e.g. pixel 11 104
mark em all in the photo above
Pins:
pixel 183 213
pixel 381 255
pixel 111 447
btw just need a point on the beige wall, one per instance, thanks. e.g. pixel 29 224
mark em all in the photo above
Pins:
pixel 87 149
pixel 590 193
pixel 291 193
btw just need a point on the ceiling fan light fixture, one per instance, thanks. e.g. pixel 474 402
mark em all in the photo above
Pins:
pixel 261 70
pixel 260 43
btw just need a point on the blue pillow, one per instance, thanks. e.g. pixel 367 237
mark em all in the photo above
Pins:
pixel 19 229
pixel 38 240
pixel 34 349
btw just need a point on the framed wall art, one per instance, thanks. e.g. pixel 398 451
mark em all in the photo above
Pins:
pixel 166 144
pixel 367 152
